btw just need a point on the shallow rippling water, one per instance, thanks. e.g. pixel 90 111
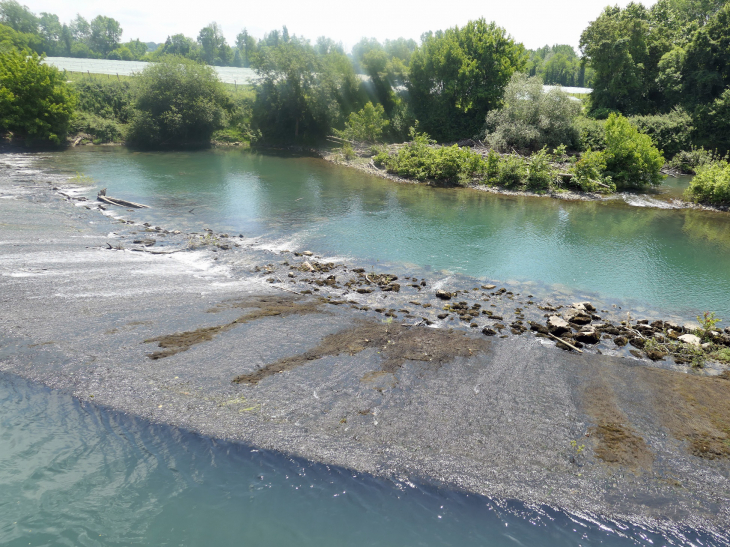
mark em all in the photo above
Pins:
pixel 73 474
pixel 624 250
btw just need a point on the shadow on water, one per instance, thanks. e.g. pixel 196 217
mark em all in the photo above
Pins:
pixel 75 474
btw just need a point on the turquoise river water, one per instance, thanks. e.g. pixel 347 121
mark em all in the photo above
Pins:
pixel 74 474
pixel 634 250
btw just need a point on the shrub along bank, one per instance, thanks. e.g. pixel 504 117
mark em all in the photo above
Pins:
pixel 629 161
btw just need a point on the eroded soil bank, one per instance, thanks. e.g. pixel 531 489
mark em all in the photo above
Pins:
pixel 367 375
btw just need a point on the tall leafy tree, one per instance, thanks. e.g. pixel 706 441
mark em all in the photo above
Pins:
pixel 105 34
pixel 214 48
pixel 300 95
pixel 35 102
pixel 18 17
pixel 458 75
pixel 245 48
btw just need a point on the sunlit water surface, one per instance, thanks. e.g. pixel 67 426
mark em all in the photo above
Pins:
pixel 634 249
pixel 72 474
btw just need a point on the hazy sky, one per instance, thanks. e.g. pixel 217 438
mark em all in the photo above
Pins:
pixel 532 22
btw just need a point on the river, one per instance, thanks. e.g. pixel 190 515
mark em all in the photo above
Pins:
pixel 73 473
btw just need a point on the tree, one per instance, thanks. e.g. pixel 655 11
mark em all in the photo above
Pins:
pixel 532 118
pixel 50 30
pixel 105 34
pixel 245 48
pixel 80 29
pixel 706 66
pixel 215 49
pixel 458 75
pixel 12 39
pixel 179 45
pixel 18 17
pixel 616 46
pixel 35 102
pixel 179 103
pixel 300 96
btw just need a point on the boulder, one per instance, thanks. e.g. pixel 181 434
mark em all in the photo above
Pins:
pixel 489 287
pixel 578 317
pixel 620 341
pixel 443 295
pixel 488 332
pixel 656 354
pixel 537 327
pixel 583 306
pixel 638 342
pixel 588 335
pixel 557 325
pixel 690 339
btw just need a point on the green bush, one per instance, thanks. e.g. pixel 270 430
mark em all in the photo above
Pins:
pixel 367 125
pixel 711 184
pixel 101 129
pixel 540 172
pixel 35 102
pixel 687 161
pixel 588 173
pixel 108 99
pixel 491 167
pixel 532 118
pixel 713 124
pixel 670 133
pixel 419 160
pixel 632 160
pixel 179 103
pixel 592 134
pixel 512 171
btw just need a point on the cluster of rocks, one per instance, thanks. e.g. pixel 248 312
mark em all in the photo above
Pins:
pixel 579 325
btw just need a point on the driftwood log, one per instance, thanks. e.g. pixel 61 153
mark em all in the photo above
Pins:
pixel 121 202
pixel 564 342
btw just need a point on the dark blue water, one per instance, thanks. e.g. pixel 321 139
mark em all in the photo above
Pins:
pixel 73 474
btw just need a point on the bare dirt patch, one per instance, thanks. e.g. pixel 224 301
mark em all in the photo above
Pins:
pixel 398 344
pixel 263 306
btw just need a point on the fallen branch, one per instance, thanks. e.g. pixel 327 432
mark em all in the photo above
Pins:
pixel 571 346
pixel 121 202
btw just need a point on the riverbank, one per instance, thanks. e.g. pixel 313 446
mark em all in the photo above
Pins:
pixel 162 330
pixel 363 161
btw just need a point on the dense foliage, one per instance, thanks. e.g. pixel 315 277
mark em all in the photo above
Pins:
pixel 458 75
pixel 711 184
pixel 301 94
pixel 178 103
pixel 35 102
pixel 532 118
pixel 559 65
pixel 651 61
pixel 366 125
pixel 632 160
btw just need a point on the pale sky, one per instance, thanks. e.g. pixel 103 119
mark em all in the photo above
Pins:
pixel 532 22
